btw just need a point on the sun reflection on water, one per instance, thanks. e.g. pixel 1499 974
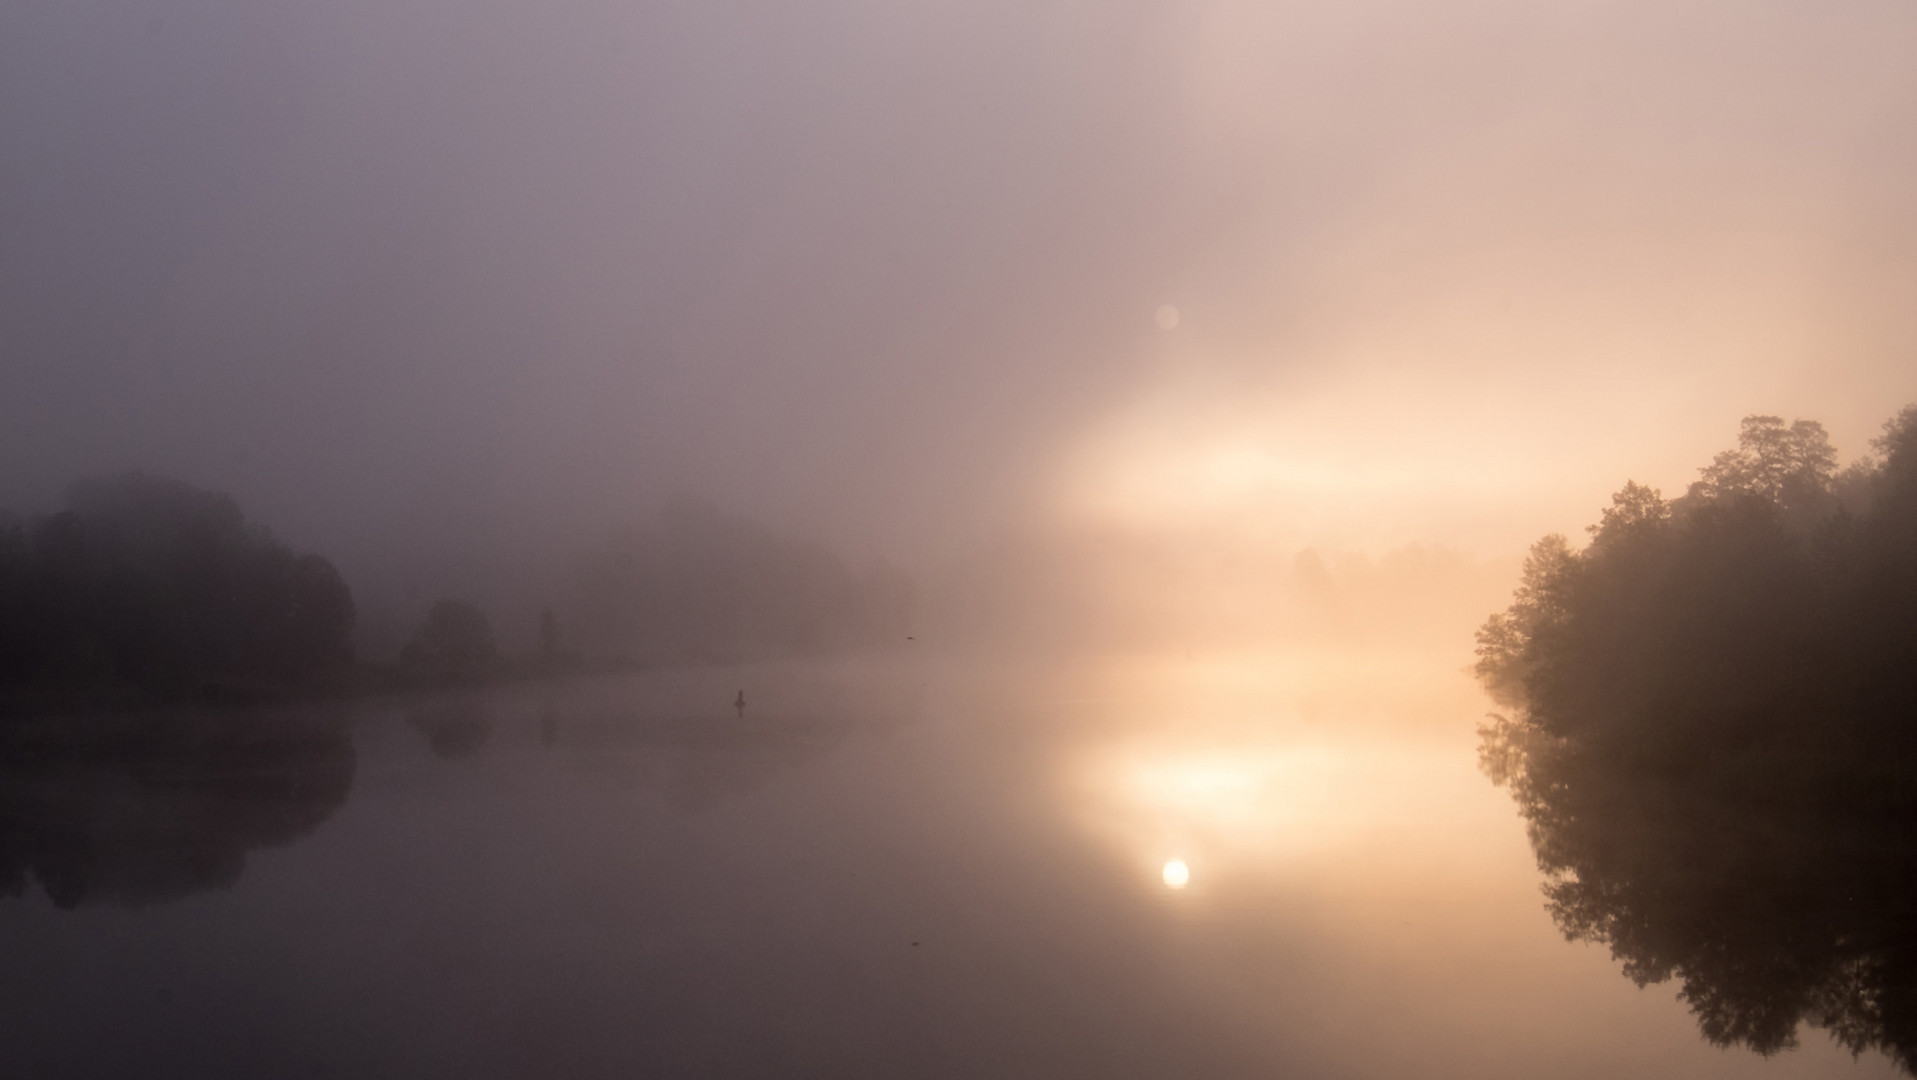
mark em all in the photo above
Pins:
pixel 1257 770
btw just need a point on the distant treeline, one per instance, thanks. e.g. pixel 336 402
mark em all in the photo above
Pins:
pixel 145 590
pixel 708 587
pixel 1713 735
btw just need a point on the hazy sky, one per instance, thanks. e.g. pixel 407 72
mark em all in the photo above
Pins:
pixel 449 275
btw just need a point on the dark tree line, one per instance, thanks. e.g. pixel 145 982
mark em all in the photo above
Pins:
pixel 154 590
pixel 1712 734
pixel 146 591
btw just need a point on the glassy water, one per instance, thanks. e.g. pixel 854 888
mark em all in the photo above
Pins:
pixel 1261 865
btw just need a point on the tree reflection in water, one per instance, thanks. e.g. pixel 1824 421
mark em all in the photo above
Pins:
pixel 456 729
pixel 1713 738
pixel 141 810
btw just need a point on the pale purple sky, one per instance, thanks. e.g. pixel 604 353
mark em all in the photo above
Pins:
pixel 462 278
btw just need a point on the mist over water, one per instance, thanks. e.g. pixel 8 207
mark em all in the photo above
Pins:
pixel 833 539
pixel 925 869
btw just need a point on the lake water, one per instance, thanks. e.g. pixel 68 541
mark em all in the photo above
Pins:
pixel 894 869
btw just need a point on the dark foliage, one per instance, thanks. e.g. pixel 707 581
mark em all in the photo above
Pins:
pixel 454 645
pixel 154 590
pixel 139 810
pixel 1713 736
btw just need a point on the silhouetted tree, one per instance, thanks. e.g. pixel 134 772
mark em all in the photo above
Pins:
pixel 454 644
pixel 1713 736
pixel 157 589
pixel 1791 467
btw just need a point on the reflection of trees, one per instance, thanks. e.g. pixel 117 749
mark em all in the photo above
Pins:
pixel 1713 737
pixel 698 765
pixel 454 729
pixel 137 811
pixel 654 732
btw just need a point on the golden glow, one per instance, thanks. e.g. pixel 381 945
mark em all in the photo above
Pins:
pixel 1281 760
pixel 1360 465
pixel 1244 805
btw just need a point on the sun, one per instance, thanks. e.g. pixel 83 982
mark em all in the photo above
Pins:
pixel 1177 874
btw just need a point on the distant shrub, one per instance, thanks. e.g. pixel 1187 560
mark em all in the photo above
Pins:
pixel 454 644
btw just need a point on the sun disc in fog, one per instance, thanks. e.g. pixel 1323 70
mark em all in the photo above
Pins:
pixel 1167 317
pixel 1177 874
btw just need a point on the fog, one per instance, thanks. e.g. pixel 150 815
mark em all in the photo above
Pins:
pixel 742 538
pixel 448 291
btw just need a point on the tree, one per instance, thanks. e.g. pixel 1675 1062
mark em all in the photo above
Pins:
pixel 1790 467
pixel 1709 733
pixel 153 589
pixel 454 644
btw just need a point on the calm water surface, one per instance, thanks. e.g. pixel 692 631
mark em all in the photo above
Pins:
pixel 912 869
